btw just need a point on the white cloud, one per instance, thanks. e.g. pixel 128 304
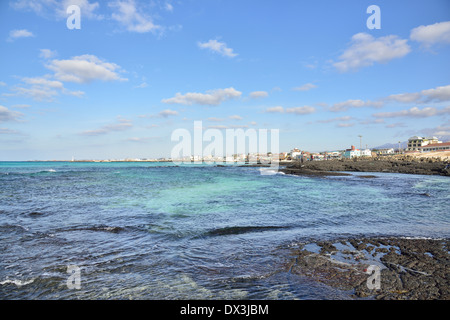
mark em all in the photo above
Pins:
pixel 37 6
pixel 258 94
pixel 345 125
pixel 212 97
pixel 238 126
pixel 8 115
pixel 305 87
pixel 355 103
pixel 47 53
pixel 163 114
pixel 372 121
pixel 44 82
pixel 365 50
pixel 235 117
pixel 396 125
pixel 132 18
pixel 301 110
pixel 414 112
pixel 405 97
pixel 35 93
pixel 277 109
pixel 23 33
pixel 122 125
pixel 442 132
pixel 220 127
pixel 142 139
pixel 167 113
pixel 214 119
pixel 42 89
pixel 438 94
pixel 84 69
pixel 296 110
pixel 142 85
pixel 344 118
pixel 2 84
pixel 87 9
pixel 57 8
pixel 168 7
pixel 432 34
pixel 218 47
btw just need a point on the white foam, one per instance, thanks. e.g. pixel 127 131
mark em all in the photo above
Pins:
pixel 18 283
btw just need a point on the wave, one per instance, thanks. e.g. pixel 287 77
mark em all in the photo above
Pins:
pixel 17 282
pixel 21 173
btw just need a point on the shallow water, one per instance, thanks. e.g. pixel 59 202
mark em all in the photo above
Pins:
pixel 159 231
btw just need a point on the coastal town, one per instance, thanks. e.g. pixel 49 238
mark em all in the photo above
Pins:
pixel 416 146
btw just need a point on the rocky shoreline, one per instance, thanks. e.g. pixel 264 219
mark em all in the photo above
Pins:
pixel 409 165
pixel 407 269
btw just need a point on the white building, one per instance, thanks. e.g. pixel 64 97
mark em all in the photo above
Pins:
pixel 414 143
pixel 296 154
pixel 436 147
pixel 353 152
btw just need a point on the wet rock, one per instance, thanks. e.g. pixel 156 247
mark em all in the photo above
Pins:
pixel 412 269
pixel 327 247
pixel 394 165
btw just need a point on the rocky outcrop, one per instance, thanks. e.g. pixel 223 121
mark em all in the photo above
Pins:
pixel 409 269
pixel 393 165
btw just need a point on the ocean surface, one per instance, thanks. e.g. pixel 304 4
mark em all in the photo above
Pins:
pixel 160 231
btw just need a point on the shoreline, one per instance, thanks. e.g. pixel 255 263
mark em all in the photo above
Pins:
pixel 405 268
pixel 390 165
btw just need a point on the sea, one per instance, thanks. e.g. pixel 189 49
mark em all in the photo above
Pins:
pixel 160 231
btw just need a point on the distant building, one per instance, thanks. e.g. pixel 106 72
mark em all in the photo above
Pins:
pixel 333 155
pixel 353 152
pixel 296 154
pixel 317 156
pixel 366 153
pixel 282 155
pixel 436 147
pixel 414 143
pixel 385 152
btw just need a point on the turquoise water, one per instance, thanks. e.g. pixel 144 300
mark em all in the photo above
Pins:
pixel 159 231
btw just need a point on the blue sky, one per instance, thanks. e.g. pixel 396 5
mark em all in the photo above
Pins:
pixel 138 70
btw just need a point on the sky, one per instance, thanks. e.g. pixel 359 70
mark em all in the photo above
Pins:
pixel 120 83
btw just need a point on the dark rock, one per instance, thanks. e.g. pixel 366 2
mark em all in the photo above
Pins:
pixel 405 165
pixel 414 269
